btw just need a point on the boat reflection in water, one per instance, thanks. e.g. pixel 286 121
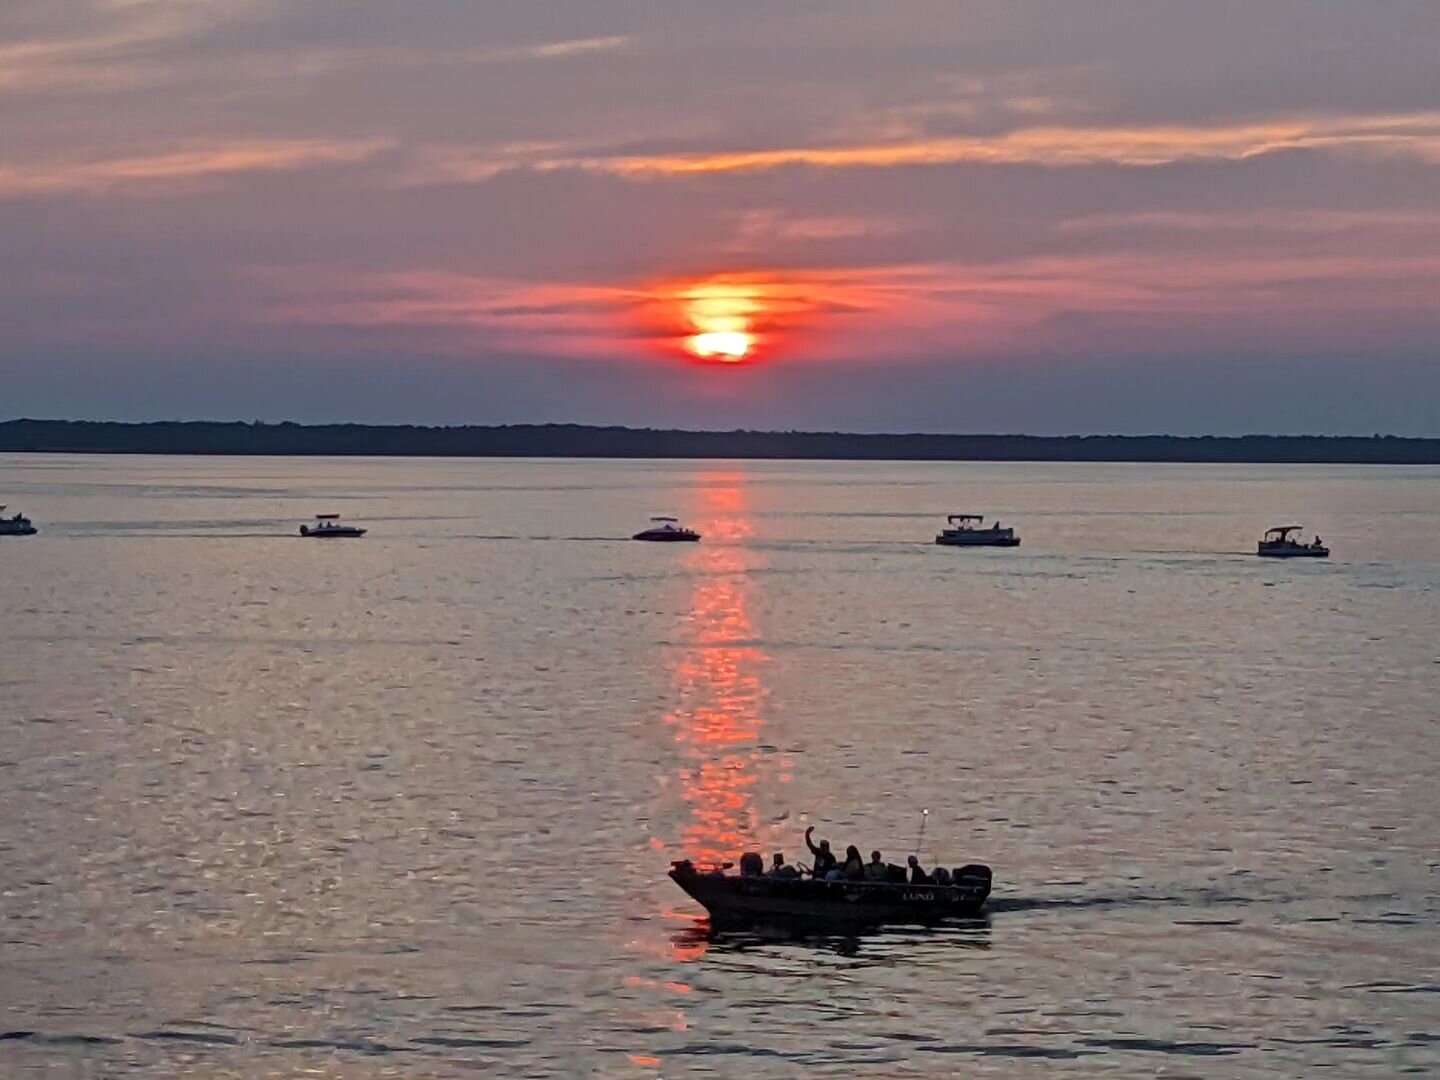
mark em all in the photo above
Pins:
pixel 719 716
pixel 879 946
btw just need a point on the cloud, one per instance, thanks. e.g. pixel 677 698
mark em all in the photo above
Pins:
pixel 828 313
pixel 1296 221
pixel 126 45
pixel 169 168
pixel 558 49
pixel 763 231
pixel 1411 134
pixel 115 43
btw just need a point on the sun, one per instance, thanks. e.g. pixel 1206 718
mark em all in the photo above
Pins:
pixel 727 346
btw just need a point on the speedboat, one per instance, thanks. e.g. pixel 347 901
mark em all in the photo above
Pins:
pixel 19 525
pixel 741 899
pixel 666 530
pixel 1278 543
pixel 328 525
pixel 970 530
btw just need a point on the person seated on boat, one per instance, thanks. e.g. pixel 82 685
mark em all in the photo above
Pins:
pixel 875 869
pixel 853 868
pixel 941 876
pixel 751 864
pixel 779 869
pixel 918 876
pixel 824 857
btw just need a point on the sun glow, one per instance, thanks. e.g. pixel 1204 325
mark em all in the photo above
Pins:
pixel 722 315
pixel 743 318
pixel 727 346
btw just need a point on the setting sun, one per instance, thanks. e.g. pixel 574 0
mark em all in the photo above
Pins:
pixel 727 346
pixel 721 314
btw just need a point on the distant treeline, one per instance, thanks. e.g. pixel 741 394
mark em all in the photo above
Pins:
pixel 575 440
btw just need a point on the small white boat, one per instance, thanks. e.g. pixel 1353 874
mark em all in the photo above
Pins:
pixel 970 530
pixel 18 525
pixel 328 526
pixel 1278 543
pixel 666 530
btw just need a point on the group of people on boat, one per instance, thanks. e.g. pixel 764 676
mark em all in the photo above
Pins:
pixel 827 867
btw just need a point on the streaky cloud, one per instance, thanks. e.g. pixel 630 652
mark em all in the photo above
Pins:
pixel 1410 134
pixel 168 168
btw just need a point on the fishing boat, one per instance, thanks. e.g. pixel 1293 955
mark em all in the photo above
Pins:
pixel 1279 543
pixel 18 525
pixel 970 530
pixel 328 526
pixel 741 899
pixel 666 530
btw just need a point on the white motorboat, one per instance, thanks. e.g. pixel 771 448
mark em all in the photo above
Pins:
pixel 1279 543
pixel 970 530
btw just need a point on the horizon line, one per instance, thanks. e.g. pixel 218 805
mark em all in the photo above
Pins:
pixel 575 425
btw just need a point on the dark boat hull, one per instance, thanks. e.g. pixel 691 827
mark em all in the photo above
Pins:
pixel 1294 553
pixel 738 901
pixel 330 534
pixel 983 541
pixel 667 536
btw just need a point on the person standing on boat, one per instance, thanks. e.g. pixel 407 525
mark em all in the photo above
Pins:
pixel 875 869
pixel 917 872
pixel 824 857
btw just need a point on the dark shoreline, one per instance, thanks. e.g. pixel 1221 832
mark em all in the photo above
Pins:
pixel 576 440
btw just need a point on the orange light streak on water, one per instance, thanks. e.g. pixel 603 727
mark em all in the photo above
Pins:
pixel 720 714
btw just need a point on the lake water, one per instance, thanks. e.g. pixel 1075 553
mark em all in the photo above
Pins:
pixel 403 806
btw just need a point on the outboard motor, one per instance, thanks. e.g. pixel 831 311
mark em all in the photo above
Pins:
pixel 974 877
pixel 752 865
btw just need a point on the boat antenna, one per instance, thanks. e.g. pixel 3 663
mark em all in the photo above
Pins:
pixel 920 837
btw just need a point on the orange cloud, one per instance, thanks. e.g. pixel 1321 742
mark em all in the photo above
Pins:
pixel 1412 134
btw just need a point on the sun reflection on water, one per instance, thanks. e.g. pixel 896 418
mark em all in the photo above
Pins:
pixel 719 715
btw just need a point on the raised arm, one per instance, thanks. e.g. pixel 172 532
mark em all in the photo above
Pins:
pixel 810 843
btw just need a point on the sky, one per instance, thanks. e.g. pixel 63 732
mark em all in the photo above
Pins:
pixel 1127 216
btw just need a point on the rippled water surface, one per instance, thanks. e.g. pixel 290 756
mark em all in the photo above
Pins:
pixel 403 806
